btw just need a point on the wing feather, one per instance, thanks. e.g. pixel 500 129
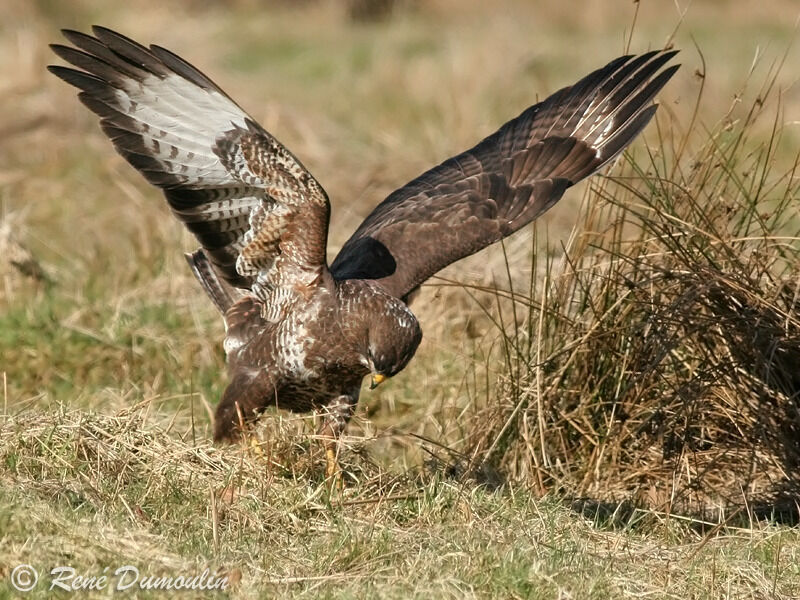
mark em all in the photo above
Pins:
pixel 510 178
pixel 234 186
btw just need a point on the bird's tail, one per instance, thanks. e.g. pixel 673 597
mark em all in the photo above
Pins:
pixel 220 292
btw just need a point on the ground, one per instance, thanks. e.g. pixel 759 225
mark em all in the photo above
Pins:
pixel 111 361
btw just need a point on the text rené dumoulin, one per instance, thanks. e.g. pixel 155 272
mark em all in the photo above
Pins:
pixel 129 577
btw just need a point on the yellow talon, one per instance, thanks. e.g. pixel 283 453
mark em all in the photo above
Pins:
pixel 255 447
pixel 332 471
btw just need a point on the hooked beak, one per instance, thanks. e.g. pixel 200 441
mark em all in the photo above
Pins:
pixel 377 379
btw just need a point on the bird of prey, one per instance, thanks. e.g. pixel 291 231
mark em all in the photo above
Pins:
pixel 301 334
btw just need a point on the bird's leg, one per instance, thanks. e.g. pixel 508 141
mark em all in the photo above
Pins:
pixel 335 417
pixel 246 395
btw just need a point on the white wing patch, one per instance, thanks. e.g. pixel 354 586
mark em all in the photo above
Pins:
pixel 179 122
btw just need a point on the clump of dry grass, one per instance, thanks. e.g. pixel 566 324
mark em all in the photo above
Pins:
pixel 659 360
pixel 130 450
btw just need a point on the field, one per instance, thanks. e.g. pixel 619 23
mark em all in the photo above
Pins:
pixel 604 406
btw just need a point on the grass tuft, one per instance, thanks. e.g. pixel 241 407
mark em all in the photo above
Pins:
pixel 657 358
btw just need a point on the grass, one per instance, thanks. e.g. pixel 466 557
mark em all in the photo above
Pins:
pixel 656 359
pixel 99 490
pixel 111 362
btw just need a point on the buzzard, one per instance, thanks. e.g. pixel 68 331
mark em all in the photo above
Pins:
pixel 301 334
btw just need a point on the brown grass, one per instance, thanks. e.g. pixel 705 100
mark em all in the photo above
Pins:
pixel 657 359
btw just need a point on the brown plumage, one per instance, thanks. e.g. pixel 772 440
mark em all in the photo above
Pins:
pixel 301 335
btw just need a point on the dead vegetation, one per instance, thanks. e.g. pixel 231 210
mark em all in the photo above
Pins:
pixel 659 358
pixel 97 491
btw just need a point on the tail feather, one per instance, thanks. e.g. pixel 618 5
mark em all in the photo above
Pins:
pixel 222 294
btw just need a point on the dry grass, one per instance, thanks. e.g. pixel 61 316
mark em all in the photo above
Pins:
pixel 99 491
pixel 657 359
pixel 110 368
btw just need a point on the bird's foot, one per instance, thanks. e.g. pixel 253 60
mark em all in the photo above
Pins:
pixel 254 446
pixel 333 473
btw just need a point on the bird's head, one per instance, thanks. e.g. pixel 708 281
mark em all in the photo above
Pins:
pixel 393 336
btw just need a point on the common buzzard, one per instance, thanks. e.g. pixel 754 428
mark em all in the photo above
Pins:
pixel 301 334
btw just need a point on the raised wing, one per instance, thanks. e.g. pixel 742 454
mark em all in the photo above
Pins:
pixel 507 180
pixel 260 216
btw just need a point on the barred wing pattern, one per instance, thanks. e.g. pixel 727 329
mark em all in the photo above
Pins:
pixel 260 216
pixel 507 180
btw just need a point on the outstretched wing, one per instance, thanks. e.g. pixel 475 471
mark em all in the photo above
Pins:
pixel 260 216
pixel 507 180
